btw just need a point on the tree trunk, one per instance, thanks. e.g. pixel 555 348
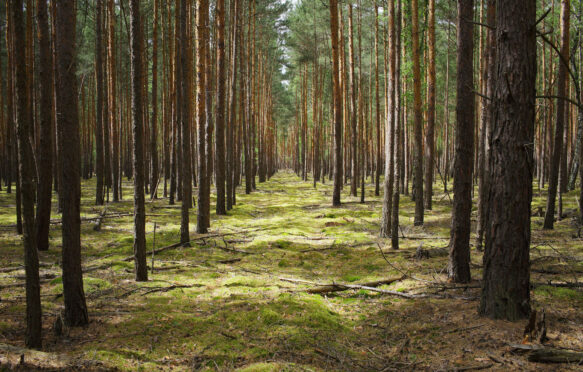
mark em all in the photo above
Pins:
pixel 459 246
pixel 99 200
pixel 418 124
pixel 483 177
pixel 232 125
pixel 33 337
pixel 154 129
pixel 201 46
pixel 389 128
pixel 506 278
pixel 141 269
pixel 220 107
pixel 68 139
pixel 560 121
pixel 377 106
pixel 337 103
pixel 45 157
pixel 353 106
pixel 398 133
pixel 185 123
pixel 113 104
pixel 430 134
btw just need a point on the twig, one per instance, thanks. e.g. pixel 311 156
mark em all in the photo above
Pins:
pixel 166 289
pixel 342 287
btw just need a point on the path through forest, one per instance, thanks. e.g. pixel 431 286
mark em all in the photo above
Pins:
pixel 222 303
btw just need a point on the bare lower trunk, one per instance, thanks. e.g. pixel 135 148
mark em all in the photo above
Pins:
pixel 141 270
pixel 68 139
pixel 506 278
pixel 33 337
pixel 459 246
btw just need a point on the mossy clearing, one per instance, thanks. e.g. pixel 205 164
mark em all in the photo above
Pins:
pixel 229 309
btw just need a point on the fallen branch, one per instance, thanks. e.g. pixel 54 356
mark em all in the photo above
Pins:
pixel 172 246
pixel 343 287
pixel 544 354
pixel 166 289
pixel 421 253
pixel 97 225
pixel 474 368
pixel 338 288
pixel 558 285
pixel 176 245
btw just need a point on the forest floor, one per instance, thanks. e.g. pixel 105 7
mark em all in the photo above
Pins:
pixel 221 304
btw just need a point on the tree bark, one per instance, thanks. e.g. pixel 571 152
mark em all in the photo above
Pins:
pixel 389 128
pixel 99 200
pixel 141 269
pixel 483 176
pixel 184 82
pixel 353 107
pixel 154 130
pixel 459 246
pixel 560 121
pixel 201 50
pixel 430 134
pixel 506 277
pixel 33 336
pixel 337 103
pixel 377 106
pixel 417 124
pixel 68 139
pixel 220 107
pixel 45 157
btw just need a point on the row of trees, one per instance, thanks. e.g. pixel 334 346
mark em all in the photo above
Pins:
pixel 497 117
pixel 176 95
pixel 424 101
pixel 106 107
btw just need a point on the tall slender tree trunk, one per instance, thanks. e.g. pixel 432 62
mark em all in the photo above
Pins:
pixel 232 125
pixel 459 246
pixel 45 156
pixel 337 103
pixel 506 277
pixel 68 139
pixel 560 121
pixel 486 117
pixel 220 107
pixel 430 134
pixel 99 200
pixel 141 269
pixel 113 104
pixel 379 158
pixel 202 15
pixel 417 124
pixel 389 127
pixel 398 133
pixel 353 107
pixel 154 129
pixel 33 336
pixel 184 87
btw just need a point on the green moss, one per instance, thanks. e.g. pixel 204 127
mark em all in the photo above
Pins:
pixel 282 244
pixel 284 263
pixel 350 277
pixel 559 293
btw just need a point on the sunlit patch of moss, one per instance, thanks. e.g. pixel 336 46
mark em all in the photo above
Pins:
pixel 560 293
pixel 243 281
pixel 284 263
pixel 351 277
pixel 238 313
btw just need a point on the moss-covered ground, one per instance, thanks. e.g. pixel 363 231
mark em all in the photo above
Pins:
pixel 221 304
